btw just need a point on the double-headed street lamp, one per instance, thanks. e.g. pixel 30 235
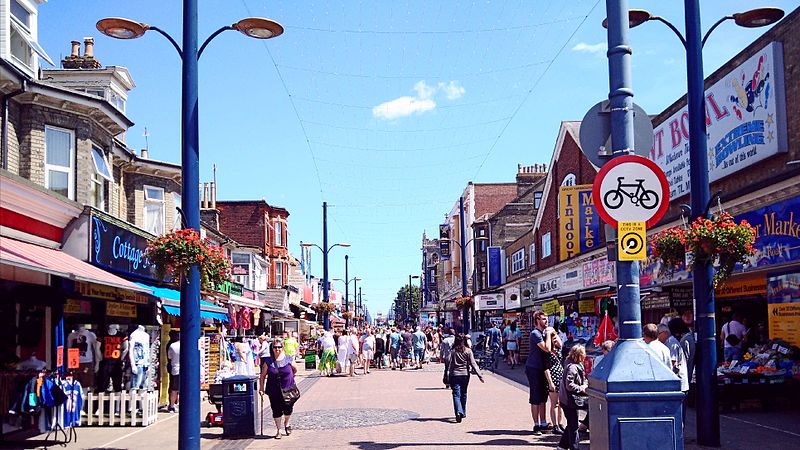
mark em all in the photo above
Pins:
pixel 325 249
pixel 259 28
pixel 346 282
pixel 707 409
pixel 463 247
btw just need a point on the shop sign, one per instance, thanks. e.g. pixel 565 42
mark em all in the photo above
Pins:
pixel 572 280
pixel 513 298
pixel 598 272
pixel 495 262
pixel 578 221
pixel 484 302
pixel 551 308
pixel 118 309
pixel 444 241
pixel 109 293
pixel 527 292
pixel 745 122
pixel 75 306
pixel 231 288
pixel 742 286
pixel 681 298
pixel 783 307
pixel 60 356
pixel 655 302
pixel 549 286
pixel 586 306
pixel 120 248
pixel 73 358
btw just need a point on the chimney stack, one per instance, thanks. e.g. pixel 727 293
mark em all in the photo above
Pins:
pixel 527 176
pixel 88 43
pixel 76 49
pixel 145 153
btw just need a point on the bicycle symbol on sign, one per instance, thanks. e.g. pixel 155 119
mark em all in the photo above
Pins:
pixel 638 195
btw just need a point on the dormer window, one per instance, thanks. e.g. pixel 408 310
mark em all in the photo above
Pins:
pixel 22 43
pixel 21 14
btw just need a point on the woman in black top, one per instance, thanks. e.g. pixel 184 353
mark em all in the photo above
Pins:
pixel 380 348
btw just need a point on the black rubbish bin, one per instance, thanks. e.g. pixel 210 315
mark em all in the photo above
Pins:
pixel 239 408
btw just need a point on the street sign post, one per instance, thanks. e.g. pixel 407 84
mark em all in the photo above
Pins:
pixel 630 188
pixel 595 133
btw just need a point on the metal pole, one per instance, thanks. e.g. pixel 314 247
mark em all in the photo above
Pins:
pixel 707 412
pixel 355 289
pixel 360 305
pixel 325 295
pixel 463 246
pixel 411 298
pixel 346 293
pixel 188 423
pixel 621 103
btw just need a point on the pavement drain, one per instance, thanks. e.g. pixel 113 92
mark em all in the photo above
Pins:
pixel 331 419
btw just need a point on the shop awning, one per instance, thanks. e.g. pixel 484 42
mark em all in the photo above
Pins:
pixel 55 262
pixel 172 304
pixel 244 301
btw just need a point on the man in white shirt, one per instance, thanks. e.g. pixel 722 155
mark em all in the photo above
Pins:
pixel 650 335
pixel 174 358
pixel 676 356
pixel 732 335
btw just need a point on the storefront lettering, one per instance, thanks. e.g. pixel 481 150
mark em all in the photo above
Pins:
pixel 124 250
pixel 120 248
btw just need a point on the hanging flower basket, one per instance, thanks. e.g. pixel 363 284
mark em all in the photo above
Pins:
pixel 174 253
pixel 718 240
pixel 721 241
pixel 465 302
pixel 669 247
pixel 347 315
pixel 323 307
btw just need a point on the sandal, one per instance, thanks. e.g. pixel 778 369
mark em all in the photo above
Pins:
pixel 278 434
pixel 288 429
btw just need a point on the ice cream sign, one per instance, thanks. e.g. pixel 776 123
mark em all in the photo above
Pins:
pixel 745 122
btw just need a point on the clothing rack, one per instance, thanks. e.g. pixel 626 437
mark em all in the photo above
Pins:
pixel 56 425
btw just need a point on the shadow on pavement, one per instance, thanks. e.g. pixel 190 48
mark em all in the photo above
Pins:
pixel 430 388
pixel 502 433
pixel 369 445
pixel 433 419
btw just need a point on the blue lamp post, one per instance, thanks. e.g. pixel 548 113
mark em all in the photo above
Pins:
pixel 346 282
pixel 188 423
pixel 325 250
pixel 707 408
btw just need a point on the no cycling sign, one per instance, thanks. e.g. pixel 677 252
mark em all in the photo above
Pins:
pixel 630 188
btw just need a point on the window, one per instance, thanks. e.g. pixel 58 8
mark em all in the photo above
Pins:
pixel 59 167
pixel 100 178
pixel 154 210
pixel 532 255
pixel 518 260
pixel 278 234
pixel 278 274
pixel 545 245
pixel 176 204
pixel 537 199
pixel 23 45
pixel 569 180
pixel 21 14
pixel 117 101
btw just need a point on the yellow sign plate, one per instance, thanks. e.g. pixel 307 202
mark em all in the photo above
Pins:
pixel 550 308
pixel 631 241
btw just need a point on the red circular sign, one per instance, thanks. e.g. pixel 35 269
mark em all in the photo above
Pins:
pixel 631 188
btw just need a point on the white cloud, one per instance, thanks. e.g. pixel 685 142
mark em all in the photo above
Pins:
pixel 599 48
pixel 402 107
pixel 453 90
pixel 422 102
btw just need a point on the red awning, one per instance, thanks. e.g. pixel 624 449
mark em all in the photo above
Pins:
pixel 55 262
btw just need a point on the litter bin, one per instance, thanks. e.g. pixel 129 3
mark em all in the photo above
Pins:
pixel 239 407
pixel 311 360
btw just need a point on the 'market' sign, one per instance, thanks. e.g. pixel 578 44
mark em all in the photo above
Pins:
pixel 745 122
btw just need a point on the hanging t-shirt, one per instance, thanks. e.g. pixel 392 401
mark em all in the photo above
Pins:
pixel 246 322
pixel 84 341
pixel 140 348
pixel 111 346
pixel 232 316
pixel 73 403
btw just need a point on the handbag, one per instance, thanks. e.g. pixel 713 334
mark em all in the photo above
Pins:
pixel 290 395
pixel 581 401
pixel 732 339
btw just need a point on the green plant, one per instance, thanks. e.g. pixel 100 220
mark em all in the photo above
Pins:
pixel 174 253
pixel 722 241
pixel 669 246
pixel 464 302
pixel 323 307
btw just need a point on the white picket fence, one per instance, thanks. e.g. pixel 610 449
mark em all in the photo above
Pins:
pixel 132 409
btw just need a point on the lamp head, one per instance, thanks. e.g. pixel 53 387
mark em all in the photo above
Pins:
pixel 358 279
pixel 307 244
pixel 258 28
pixel 120 28
pixel 481 238
pixel 414 277
pixel 636 17
pixel 343 244
pixel 759 17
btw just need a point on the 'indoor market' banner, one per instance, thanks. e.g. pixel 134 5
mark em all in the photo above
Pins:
pixel 578 220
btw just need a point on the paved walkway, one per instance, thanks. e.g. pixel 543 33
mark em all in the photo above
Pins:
pixel 411 409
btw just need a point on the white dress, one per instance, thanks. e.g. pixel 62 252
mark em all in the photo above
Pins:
pixel 244 364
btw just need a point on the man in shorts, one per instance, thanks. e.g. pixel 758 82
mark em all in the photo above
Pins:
pixel 406 347
pixel 419 340
pixel 540 345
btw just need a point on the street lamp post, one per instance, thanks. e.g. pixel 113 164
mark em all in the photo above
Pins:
pixel 119 28
pixel 355 281
pixel 325 249
pixel 707 409
pixel 411 295
pixel 463 247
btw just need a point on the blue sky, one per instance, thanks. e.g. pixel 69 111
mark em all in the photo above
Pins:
pixel 383 109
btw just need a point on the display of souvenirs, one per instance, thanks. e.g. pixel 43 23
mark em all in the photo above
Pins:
pixel 772 362
pixel 582 327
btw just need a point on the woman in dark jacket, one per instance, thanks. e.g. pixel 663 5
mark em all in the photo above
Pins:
pixel 458 369
pixel 573 382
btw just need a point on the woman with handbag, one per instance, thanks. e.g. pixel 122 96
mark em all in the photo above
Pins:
pixel 457 374
pixel 279 370
pixel 572 395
